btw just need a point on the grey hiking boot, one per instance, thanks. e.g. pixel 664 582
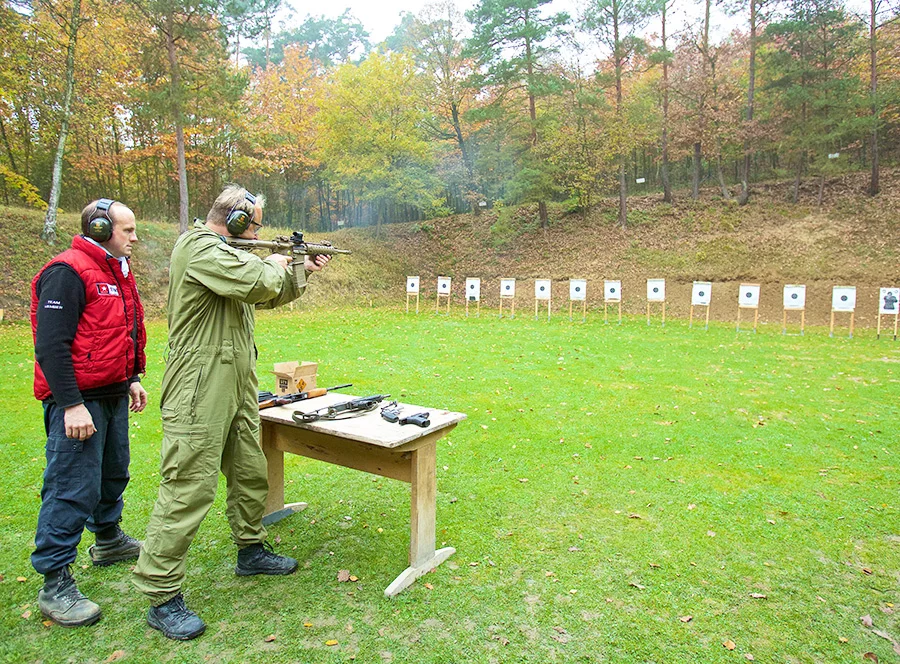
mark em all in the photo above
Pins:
pixel 175 620
pixel 62 602
pixel 261 559
pixel 113 548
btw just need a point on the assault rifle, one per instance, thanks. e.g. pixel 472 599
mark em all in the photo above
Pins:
pixel 269 400
pixel 341 411
pixel 292 246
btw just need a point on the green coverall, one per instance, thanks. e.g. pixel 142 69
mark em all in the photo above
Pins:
pixel 208 401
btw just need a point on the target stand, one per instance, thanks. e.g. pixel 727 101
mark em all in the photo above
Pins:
pixel 508 292
pixel 795 301
pixel 542 291
pixel 473 294
pixel 612 294
pixel 843 300
pixel 701 296
pixel 656 292
pixel 578 292
pixel 412 288
pixel 748 298
pixel 888 305
pixel 443 290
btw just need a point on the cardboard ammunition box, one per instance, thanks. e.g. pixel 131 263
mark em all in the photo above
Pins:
pixel 293 377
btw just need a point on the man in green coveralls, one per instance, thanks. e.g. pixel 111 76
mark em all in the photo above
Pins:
pixel 210 417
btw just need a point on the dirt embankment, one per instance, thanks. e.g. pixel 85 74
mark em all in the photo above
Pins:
pixel 852 240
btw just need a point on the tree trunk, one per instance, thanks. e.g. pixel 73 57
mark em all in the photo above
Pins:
pixel 532 112
pixel 725 193
pixel 695 182
pixel 751 87
pixel 175 94
pixel 874 186
pixel 48 235
pixel 667 187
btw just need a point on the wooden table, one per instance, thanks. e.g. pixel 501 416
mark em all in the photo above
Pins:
pixel 371 444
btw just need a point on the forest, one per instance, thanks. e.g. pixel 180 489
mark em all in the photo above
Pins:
pixel 158 103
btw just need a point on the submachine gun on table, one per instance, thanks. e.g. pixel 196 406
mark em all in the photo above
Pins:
pixel 292 246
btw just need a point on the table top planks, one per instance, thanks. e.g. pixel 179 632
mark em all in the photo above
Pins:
pixel 368 428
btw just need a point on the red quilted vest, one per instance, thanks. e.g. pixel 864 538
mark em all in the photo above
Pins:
pixel 103 350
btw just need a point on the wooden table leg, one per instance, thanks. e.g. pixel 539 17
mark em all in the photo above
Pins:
pixel 276 510
pixel 422 555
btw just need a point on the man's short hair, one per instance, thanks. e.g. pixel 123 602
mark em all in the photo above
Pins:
pixel 90 212
pixel 233 197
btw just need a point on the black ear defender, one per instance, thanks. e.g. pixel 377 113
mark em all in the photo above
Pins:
pixel 238 220
pixel 100 225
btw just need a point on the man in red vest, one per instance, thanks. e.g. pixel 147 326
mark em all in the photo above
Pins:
pixel 89 338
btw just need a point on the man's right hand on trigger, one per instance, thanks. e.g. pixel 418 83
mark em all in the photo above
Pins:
pixel 281 259
pixel 79 423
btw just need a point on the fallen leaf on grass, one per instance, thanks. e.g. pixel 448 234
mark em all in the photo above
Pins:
pixel 354 578
pixel 866 570
pixel 686 619
pixel 269 638
pixel 843 639
pixel 560 630
pixel 27 614
pixel 655 565
pixel 343 575
pixel 871 656
pixel 307 624
pixel 573 548
pixel 692 506
pixel 758 596
pixel 710 533
pixel 331 642
pixel 429 586
pixel 47 623
pixel 749 657
pixel 115 656
pixel 523 479
pixel 866 620
pixel 888 637
pixel 21 579
pixel 635 515
pixel 636 585
pixel 729 645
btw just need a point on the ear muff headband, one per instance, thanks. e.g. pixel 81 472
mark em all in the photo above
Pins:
pixel 238 221
pixel 100 225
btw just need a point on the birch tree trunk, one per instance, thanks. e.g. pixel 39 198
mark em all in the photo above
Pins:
pixel 175 91
pixel 48 235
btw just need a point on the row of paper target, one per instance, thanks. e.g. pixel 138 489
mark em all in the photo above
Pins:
pixel 843 298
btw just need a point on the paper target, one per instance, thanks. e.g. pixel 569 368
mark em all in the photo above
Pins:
pixel 412 285
pixel 473 289
pixel 656 290
pixel 612 291
pixel 843 298
pixel 701 294
pixel 795 297
pixel 577 289
pixel 444 285
pixel 889 301
pixel 749 296
pixel 542 289
pixel 507 287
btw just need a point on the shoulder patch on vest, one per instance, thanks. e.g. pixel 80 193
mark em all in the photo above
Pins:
pixel 110 290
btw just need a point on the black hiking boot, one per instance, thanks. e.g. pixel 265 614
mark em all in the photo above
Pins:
pixel 62 602
pixel 114 547
pixel 261 559
pixel 175 620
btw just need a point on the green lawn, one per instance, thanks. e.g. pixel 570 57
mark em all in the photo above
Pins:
pixel 609 482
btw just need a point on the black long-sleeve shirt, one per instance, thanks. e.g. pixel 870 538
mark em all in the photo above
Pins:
pixel 61 301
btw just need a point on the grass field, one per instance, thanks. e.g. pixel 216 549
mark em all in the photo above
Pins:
pixel 617 494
